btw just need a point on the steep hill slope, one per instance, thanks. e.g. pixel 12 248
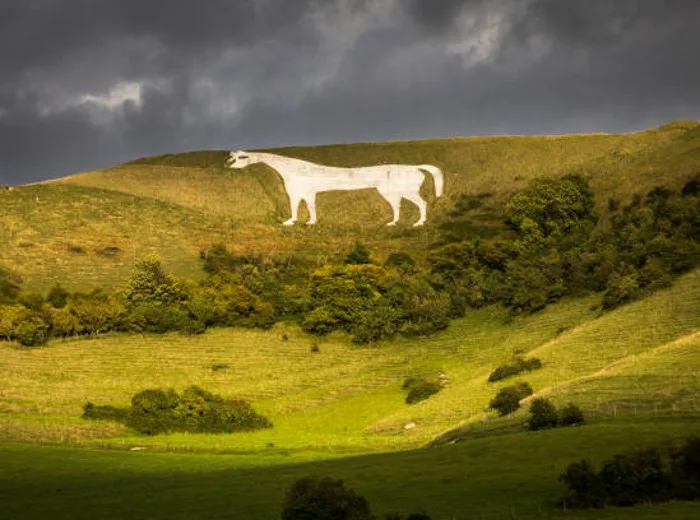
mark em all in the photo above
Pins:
pixel 639 359
pixel 178 204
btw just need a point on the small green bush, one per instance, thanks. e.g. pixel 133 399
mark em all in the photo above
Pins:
pixel 313 498
pixel 570 415
pixel 507 400
pixel 32 331
pixel 517 366
pixel 420 389
pixel 57 297
pixel 543 415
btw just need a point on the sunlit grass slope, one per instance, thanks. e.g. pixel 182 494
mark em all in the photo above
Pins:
pixel 641 358
pixel 180 203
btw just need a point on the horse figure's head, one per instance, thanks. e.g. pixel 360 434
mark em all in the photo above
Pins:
pixel 239 159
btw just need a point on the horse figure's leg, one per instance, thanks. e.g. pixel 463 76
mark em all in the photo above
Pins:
pixel 422 206
pixel 394 201
pixel 311 206
pixel 294 200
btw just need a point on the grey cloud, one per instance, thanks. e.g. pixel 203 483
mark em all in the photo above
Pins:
pixel 558 66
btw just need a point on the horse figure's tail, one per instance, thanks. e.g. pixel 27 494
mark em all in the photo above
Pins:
pixel 437 177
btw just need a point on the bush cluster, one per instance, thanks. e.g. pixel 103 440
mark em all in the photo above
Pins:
pixel 555 248
pixel 639 476
pixel 518 365
pixel 508 398
pixel 544 415
pixel 420 389
pixel 155 411
pixel 315 498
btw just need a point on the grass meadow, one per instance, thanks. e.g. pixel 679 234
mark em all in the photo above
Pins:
pixel 337 408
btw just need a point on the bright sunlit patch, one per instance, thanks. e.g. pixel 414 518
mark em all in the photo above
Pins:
pixel 117 96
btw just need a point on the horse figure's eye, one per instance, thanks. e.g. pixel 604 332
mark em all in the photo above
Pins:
pixel 242 157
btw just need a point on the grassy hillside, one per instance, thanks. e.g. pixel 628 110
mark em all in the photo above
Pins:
pixel 69 230
pixel 640 358
pixel 496 478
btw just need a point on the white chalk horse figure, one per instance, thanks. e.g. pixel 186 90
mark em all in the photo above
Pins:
pixel 303 180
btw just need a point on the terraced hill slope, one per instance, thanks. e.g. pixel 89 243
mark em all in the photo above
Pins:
pixel 87 229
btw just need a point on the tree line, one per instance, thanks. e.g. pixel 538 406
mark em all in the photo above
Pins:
pixel 552 243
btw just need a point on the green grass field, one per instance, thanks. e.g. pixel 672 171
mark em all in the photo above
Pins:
pixel 340 411
pixel 502 477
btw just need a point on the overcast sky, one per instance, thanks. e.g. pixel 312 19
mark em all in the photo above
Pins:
pixel 86 84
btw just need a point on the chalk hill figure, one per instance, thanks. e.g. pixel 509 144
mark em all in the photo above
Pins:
pixel 303 180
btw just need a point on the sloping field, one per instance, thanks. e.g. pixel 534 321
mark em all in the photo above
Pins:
pixel 347 399
pixel 179 204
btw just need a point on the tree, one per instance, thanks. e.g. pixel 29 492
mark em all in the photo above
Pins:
pixel 9 286
pixel 358 255
pixel 507 400
pixel 543 415
pixel 313 498
pixel 150 284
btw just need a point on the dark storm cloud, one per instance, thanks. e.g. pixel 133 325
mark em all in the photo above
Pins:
pixel 87 83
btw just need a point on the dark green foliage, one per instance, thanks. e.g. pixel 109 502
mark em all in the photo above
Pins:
pixel 314 498
pixel 562 208
pixel 570 415
pixel 685 469
pixel 554 249
pixel 377 323
pixel 515 367
pixel 58 297
pixel 358 255
pixel 635 477
pixel 420 389
pixel 32 331
pixel 373 303
pixel 105 413
pixel 543 415
pixel 400 260
pixel 9 286
pixel 507 400
pixel 151 285
pixel 218 259
pixel 691 188
pixel 155 411
pixel 639 476
pixel 586 485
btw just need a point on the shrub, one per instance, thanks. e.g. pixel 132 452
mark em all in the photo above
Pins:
pixel 570 415
pixel 620 290
pixel 57 297
pixel 313 498
pixel 685 469
pixel 156 411
pixel 517 366
pixel 588 489
pixel 9 285
pixel 507 400
pixel 420 389
pixel 32 331
pixel 358 255
pixel 543 414
pixel 635 477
